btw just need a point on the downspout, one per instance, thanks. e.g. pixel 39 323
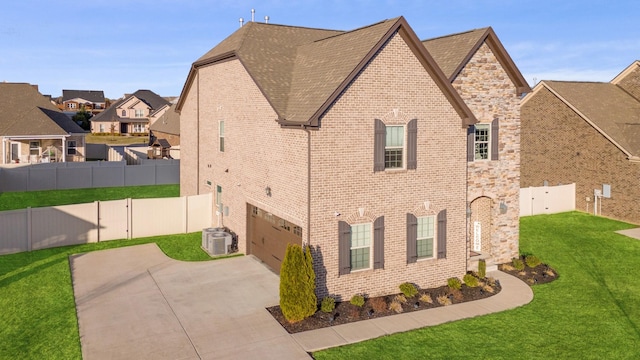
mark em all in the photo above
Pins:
pixel 198 134
pixel 309 189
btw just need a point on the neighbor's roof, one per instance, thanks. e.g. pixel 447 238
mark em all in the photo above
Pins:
pixel 24 111
pixel 153 100
pixel 95 96
pixel 301 71
pixel 453 52
pixel 606 106
pixel 168 123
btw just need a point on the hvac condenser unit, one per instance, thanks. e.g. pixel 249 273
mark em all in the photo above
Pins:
pixel 216 242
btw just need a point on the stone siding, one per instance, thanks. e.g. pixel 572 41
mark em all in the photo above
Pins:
pixel 489 92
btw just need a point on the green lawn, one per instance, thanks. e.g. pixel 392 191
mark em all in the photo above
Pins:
pixel 592 311
pixel 116 140
pixel 22 200
pixel 37 309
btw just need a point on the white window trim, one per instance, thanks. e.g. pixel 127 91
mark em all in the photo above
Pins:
pixel 486 126
pixel 351 248
pixel 434 251
pixel 403 147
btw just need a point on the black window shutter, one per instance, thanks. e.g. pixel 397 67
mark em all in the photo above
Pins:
pixel 412 144
pixel 442 234
pixel 412 238
pixel 380 139
pixel 495 126
pixel 378 243
pixel 471 138
pixel 344 248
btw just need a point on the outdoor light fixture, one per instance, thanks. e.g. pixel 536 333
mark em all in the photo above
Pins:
pixel 267 191
pixel 503 208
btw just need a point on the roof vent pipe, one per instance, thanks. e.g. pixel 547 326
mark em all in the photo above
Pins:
pixel 266 19
pixel 253 15
pixel 241 22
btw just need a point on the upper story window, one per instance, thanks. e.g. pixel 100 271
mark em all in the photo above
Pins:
pixel 394 147
pixel 139 113
pixel 71 147
pixel 221 135
pixel 124 113
pixel 394 150
pixel 482 141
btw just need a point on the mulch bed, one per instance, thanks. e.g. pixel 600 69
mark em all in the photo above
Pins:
pixel 540 274
pixel 376 307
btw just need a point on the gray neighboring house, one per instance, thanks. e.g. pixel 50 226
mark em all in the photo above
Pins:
pixel 131 115
pixel 33 130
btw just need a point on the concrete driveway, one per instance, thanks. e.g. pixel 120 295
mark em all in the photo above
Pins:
pixel 136 303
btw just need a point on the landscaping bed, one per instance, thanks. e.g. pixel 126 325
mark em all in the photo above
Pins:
pixel 532 275
pixel 375 307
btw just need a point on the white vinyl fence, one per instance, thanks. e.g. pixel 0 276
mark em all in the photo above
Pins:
pixel 90 174
pixel 40 228
pixel 547 199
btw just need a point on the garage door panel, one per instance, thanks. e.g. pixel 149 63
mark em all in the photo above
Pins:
pixel 267 241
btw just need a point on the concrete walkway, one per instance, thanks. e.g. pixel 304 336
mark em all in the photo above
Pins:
pixel 514 293
pixel 632 233
pixel 135 303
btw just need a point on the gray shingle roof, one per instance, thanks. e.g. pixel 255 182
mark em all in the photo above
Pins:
pixel 301 70
pixel 24 111
pixel 94 96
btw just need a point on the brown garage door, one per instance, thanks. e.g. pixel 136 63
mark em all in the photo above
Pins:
pixel 268 236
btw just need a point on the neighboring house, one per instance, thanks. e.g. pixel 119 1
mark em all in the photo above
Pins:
pixel 33 130
pixel 130 115
pixel 490 83
pixel 354 143
pixel 92 101
pixel 587 133
pixel 164 134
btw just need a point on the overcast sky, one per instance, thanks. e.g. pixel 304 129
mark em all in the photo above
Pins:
pixel 121 46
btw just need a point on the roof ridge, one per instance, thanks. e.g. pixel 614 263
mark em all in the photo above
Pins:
pixel 291 26
pixel 356 29
pixel 457 34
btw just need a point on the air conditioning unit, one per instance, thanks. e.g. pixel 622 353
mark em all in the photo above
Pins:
pixel 216 242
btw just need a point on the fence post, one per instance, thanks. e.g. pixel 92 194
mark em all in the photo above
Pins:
pixel 97 202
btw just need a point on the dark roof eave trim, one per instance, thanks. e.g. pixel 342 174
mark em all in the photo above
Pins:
pixel 230 55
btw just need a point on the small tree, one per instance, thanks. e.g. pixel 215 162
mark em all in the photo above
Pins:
pixel 82 118
pixel 297 284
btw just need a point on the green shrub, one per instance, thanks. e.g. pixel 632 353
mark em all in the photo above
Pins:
pixel 482 269
pixel 518 264
pixel 297 284
pixel 470 280
pixel 408 289
pixel 532 261
pixel 454 283
pixel 328 304
pixel 357 300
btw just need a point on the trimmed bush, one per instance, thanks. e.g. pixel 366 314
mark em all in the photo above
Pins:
pixel 396 307
pixel 357 300
pixel 378 304
pixel 470 280
pixel 426 298
pixel 297 284
pixel 518 264
pixel 408 289
pixel 482 269
pixel 454 283
pixel 328 304
pixel 532 261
